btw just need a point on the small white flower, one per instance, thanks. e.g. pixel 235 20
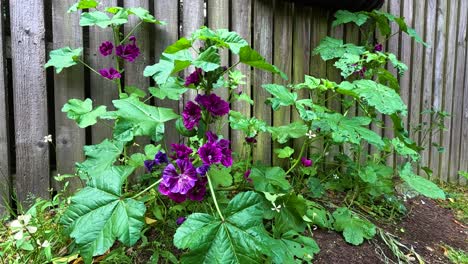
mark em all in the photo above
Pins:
pixel 310 134
pixel 47 139
pixel 18 235
pixel 31 229
pixel 335 176
pixel 276 208
pixel 43 245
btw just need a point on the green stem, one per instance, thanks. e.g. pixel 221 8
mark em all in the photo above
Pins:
pixel 131 32
pixel 87 66
pixel 117 59
pixel 298 158
pixel 232 66
pixel 214 197
pixel 147 189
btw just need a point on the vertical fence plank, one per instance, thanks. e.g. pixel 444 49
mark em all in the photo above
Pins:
pixel 103 91
pixel 457 104
pixel 428 75
pixel 448 88
pixel 438 77
pixel 70 139
pixel 167 11
pixel 241 18
pixel 464 129
pixel 282 57
pixel 406 57
pixel 5 177
pixel 30 98
pixel 263 39
pixel 301 56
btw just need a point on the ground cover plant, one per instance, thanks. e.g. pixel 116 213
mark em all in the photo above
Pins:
pixel 217 206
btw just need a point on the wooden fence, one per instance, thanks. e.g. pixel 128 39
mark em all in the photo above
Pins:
pixel 31 97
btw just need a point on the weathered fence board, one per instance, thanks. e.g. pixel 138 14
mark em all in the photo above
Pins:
pixel 29 98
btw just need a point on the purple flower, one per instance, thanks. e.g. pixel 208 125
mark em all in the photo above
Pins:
pixel 378 47
pixel 251 140
pixel 247 176
pixel 362 72
pixel 210 153
pixel 191 115
pixel 194 77
pixel 213 104
pixel 180 180
pixel 198 192
pixel 159 158
pixel 106 48
pixel 180 220
pixel 110 73
pixel 176 197
pixel 306 162
pixel 203 169
pixel 149 164
pixel 226 160
pixel 128 52
pixel 181 151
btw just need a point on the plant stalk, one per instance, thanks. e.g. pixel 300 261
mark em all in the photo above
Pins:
pixel 214 197
pixel 147 189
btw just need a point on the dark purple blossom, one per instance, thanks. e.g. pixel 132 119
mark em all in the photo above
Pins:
pixel 191 115
pixel 226 160
pixel 203 169
pixel 197 193
pixel 176 197
pixel 194 77
pixel 181 151
pixel 251 140
pixel 378 47
pixel 362 72
pixel 306 162
pixel 159 159
pixel 213 104
pixel 180 220
pixel 247 176
pixel 106 48
pixel 110 73
pixel 178 180
pixel 210 153
pixel 128 52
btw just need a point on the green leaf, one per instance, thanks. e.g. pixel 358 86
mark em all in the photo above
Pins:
pixel 168 64
pixel 250 57
pixel 151 150
pixel 241 238
pixel 144 15
pixel 137 160
pixel 134 91
pixel 269 179
pixel 290 215
pixel 83 4
pixel 82 112
pixel 142 119
pixel 348 64
pixel 172 90
pixel 250 126
pixel 373 172
pixel 295 248
pixel 383 98
pixel 63 58
pixel 421 185
pixel 331 48
pixel 315 187
pixel 100 157
pixel 208 60
pixel 355 229
pixel 220 176
pixel 309 83
pixel 282 96
pixel 181 44
pixel 320 217
pixel 232 40
pixel 98 215
pixel 405 151
pixel 283 133
pixel 284 153
pixel 101 19
pixel 344 17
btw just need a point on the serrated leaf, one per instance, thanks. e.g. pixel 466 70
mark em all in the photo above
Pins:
pixel 172 90
pixel 208 60
pixel 320 217
pixel 252 58
pixel 290 215
pixel 220 176
pixel 97 215
pixel 137 160
pixel 373 172
pixel 310 82
pixel 134 91
pixel 101 19
pixel 241 238
pixel 250 126
pixel 344 17
pixel 331 48
pixel 269 179
pixel 282 96
pixel 295 248
pixel 315 187
pixel 83 4
pixel 63 58
pixel 221 38
pixel 168 64
pixel 283 133
pixel 421 185
pixel 180 44
pixel 144 15
pixel 100 157
pixel 405 151
pixel 284 153
pixel 82 112
pixel 355 229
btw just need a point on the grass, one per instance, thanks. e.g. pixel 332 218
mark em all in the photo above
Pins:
pixel 456 256
pixel 457 201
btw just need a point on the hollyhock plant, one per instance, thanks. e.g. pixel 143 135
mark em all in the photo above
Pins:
pixel 181 151
pixel 198 192
pixel 203 169
pixel 110 73
pixel 191 115
pixel 106 48
pixel 178 180
pixel 213 104
pixel 194 77
pixel 215 151
pixel 159 159
pixel 128 52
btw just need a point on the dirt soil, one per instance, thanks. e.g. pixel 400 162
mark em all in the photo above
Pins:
pixel 426 228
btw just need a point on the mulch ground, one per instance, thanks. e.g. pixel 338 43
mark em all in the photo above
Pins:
pixel 426 228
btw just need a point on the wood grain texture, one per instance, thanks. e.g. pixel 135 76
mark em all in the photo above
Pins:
pixel 167 11
pixel 70 139
pixel 29 98
pixel 103 91
pixel 241 19
pixel 263 43
pixel 457 103
pixel 464 129
pixel 282 57
pixel 5 172
pixel 407 58
pixel 218 18
pixel 449 74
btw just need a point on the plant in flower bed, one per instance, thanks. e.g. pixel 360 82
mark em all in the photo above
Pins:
pixel 234 210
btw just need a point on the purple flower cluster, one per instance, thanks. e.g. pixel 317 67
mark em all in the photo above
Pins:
pixel 110 73
pixel 106 48
pixel 215 151
pixel 128 52
pixel 194 77
pixel 378 47
pixel 191 115
pixel 306 162
pixel 159 159
pixel 210 102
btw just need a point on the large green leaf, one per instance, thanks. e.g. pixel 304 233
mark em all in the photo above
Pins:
pixel 141 119
pixel 373 172
pixel 208 60
pixel 283 133
pixel 168 64
pixel 402 149
pixel 98 215
pixel 250 126
pixel 290 215
pixel 180 44
pixel 83 4
pixel 269 179
pixel 252 58
pixel 331 48
pixel 63 58
pixel 344 17
pixel 383 98
pixel 101 19
pixel 144 15
pixel 295 248
pixel 241 238
pixel 172 90
pixel 82 112
pixel 282 96
pixel 100 157
pixel 354 228
pixel 221 38
pixel 220 176
pixel 419 184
